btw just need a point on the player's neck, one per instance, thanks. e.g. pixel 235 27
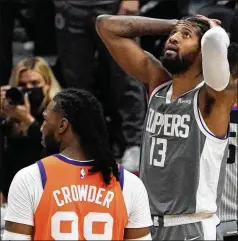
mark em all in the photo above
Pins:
pixel 184 83
pixel 74 151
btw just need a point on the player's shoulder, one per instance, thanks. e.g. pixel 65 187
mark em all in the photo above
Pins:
pixel 28 174
pixel 136 200
pixel 131 181
pixel 165 85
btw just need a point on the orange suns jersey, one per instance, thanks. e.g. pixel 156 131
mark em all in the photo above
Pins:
pixel 76 204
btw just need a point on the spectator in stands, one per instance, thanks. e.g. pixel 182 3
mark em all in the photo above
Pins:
pixel 122 98
pixel 228 208
pixel 38 27
pixel 21 121
pixel 234 29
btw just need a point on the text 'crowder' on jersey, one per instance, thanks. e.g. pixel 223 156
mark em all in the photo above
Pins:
pixel 76 204
pixel 182 162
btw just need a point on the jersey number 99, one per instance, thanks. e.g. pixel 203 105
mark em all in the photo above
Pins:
pixel 88 221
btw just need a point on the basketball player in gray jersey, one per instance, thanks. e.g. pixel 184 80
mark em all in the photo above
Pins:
pixel 185 143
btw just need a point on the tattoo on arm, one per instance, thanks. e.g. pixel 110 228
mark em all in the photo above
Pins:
pixel 135 26
pixel 130 29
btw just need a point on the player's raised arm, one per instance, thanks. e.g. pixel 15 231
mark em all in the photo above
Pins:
pixel 220 89
pixel 118 33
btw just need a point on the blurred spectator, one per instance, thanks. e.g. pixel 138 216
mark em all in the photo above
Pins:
pixel 39 30
pixel 122 98
pixel 3 208
pixel 21 115
pixel 234 24
pixel 44 29
pixel 228 208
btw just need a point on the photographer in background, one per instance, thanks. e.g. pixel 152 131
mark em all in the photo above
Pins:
pixel 31 87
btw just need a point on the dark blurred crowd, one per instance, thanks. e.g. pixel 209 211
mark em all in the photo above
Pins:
pixel 70 54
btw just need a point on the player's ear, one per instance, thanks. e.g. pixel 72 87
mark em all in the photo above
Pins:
pixel 63 125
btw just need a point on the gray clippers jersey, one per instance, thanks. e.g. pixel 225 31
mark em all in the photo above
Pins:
pixel 182 162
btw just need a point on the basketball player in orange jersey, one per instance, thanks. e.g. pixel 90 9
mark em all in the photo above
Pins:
pixel 81 193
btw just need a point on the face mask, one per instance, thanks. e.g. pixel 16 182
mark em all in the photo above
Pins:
pixel 36 97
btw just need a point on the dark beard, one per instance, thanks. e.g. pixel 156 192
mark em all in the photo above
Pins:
pixel 51 146
pixel 176 66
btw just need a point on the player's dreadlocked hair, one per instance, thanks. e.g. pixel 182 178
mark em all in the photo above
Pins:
pixel 233 59
pixel 85 114
pixel 202 25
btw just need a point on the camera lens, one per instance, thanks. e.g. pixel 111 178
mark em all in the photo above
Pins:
pixel 15 96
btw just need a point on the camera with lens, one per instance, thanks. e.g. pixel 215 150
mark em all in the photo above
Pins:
pixel 15 96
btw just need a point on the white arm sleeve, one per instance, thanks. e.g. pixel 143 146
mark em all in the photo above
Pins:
pixel 24 195
pixel 137 203
pixel 214 58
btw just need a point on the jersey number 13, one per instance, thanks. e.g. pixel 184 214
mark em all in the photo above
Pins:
pixel 161 146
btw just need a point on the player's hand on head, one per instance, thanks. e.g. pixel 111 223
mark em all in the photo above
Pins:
pixel 212 22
